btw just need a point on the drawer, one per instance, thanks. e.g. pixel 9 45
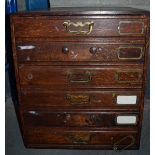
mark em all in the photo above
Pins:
pixel 57 26
pixel 63 77
pixel 45 51
pixel 129 99
pixel 58 118
pixel 49 137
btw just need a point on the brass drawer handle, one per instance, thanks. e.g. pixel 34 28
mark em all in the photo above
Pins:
pixel 78 99
pixel 116 144
pixel 80 138
pixel 80 78
pixel 67 25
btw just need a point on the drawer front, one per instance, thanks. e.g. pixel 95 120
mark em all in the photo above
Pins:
pixel 32 117
pixel 68 138
pixel 50 26
pixel 81 77
pixel 85 98
pixel 74 52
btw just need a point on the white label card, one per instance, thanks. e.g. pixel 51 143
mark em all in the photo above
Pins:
pixel 126 99
pixel 26 47
pixel 126 120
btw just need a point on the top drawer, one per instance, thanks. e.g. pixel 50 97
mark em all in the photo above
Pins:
pixel 55 26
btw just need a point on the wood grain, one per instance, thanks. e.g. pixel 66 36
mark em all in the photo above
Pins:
pixel 45 51
pixel 61 70
pixel 81 77
pixel 53 27
pixel 95 99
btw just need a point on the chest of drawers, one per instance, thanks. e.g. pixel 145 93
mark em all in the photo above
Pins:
pixel 80 76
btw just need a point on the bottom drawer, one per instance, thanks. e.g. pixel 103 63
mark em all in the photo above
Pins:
pixel 59 138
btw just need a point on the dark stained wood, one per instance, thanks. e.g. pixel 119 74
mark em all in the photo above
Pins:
pixel 81 77
pixel 47 137
pixel 78 99
pixel 49 118
pixel 53 27
pixel 45 51
pixel 68 83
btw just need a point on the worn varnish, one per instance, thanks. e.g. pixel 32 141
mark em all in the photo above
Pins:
pixel 62 77
pixel 81 76
pixel 74 99
pixel 81 51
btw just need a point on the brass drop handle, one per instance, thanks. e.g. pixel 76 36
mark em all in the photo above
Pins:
pixel 80 78
pixel 80 138
pixel 78 99
pixel 116 144
pixel 68 25
pixel 65 50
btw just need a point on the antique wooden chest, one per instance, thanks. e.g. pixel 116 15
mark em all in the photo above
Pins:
pixel 81 76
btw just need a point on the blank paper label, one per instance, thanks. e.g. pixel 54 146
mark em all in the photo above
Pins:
pixel 126 119
pixel 26 47
pixel 126 99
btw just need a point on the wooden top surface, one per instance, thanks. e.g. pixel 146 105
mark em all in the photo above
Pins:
pixel 86 11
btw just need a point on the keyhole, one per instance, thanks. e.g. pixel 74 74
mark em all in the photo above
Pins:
pixel 29 76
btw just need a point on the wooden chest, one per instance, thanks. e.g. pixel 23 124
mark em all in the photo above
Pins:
pixel 80 76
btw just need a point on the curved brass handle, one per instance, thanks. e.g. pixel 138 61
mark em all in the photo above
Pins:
pixel 79 25
pixel 116 144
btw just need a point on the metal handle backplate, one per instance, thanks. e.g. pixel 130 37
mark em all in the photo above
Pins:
pixel 80 77
pixel 79 25
pixel 80 138
pixel 78 99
